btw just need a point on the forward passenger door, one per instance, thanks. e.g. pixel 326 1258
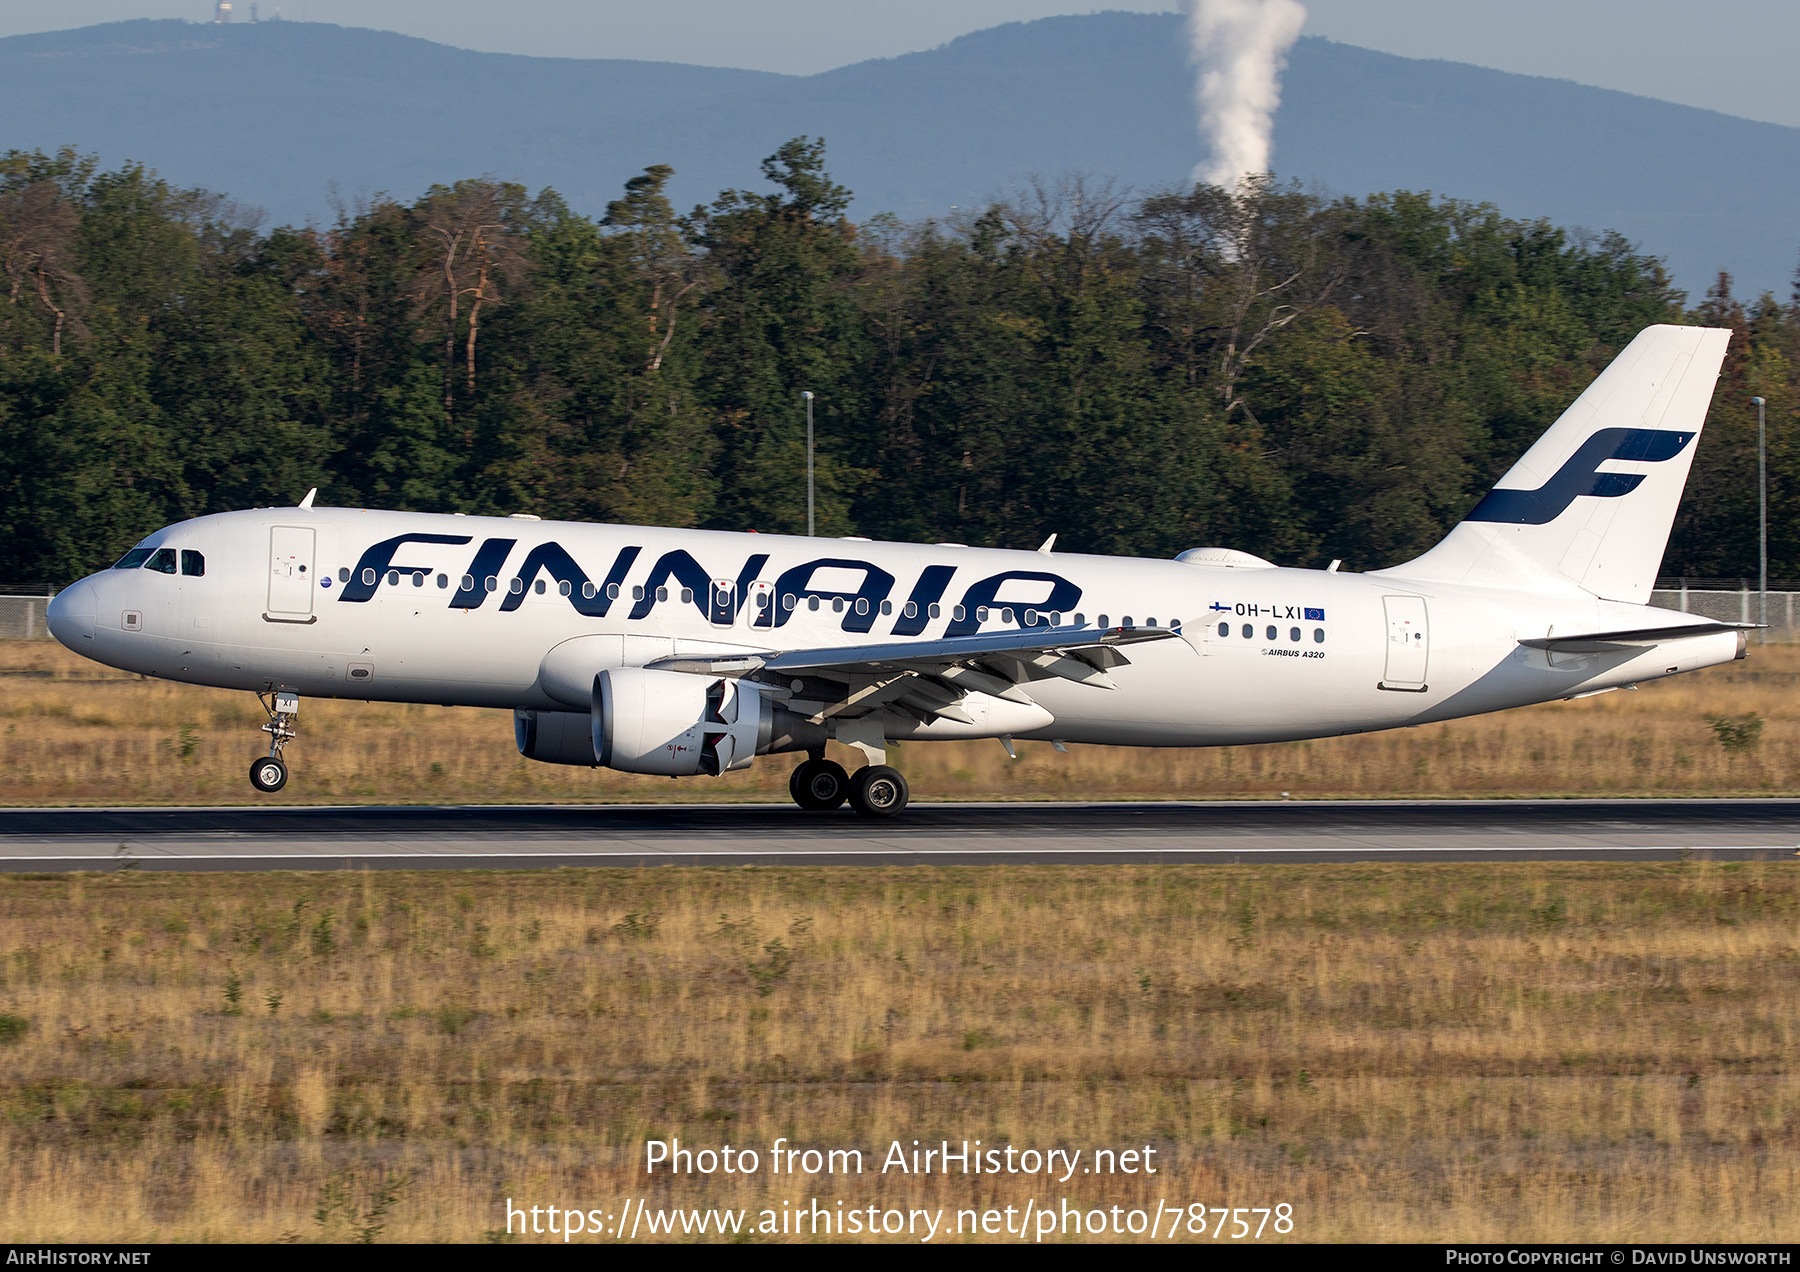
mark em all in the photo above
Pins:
pixel 291 573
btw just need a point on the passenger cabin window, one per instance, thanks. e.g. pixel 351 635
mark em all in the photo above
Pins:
pixel 162 561
pixel 687 596
pixel 958 613
pixel 443 581
pixel 343 574
pixel 1269 634
pixel 192 564
pixel 1249 631
pixel 1318 635
pixel 1293 633
pixel 936 610
pixel 133 559
pixel 538 587
pixel 1224 629
pixel 1103 622
pixel 911 610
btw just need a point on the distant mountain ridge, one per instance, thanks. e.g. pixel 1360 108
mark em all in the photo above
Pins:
pixel 275 113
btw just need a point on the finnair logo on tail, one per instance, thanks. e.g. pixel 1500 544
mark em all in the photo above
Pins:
pixel 1581 475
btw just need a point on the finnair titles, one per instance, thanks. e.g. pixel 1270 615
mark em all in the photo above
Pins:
pixel 688 652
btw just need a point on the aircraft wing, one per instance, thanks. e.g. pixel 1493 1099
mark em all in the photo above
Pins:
pixel 927 678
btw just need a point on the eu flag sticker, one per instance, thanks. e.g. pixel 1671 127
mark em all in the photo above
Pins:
pixel 1315 615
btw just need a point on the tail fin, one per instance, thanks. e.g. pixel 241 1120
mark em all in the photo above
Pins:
pixel 1590 505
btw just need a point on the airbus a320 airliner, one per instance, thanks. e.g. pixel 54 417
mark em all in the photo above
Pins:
pixel 689 652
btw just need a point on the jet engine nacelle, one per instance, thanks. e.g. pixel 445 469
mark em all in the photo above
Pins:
pixel 555 737
pixel 673 724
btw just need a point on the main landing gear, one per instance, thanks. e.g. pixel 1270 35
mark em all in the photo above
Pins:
pixel 269 774
pixel 819 785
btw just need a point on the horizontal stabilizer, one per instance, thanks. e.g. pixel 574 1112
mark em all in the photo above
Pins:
pixel 1601 642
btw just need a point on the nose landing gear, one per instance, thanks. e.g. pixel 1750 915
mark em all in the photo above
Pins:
pixel 269 774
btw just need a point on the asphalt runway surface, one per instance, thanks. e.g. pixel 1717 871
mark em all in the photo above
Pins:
pixel 544 836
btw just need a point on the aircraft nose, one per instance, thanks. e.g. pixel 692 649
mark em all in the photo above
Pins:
pixel 71 615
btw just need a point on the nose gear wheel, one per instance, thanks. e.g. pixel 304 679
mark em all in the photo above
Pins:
pixel 268 774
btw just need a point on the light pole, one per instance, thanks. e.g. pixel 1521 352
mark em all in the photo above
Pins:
pixel 1762 519
pixel 807 394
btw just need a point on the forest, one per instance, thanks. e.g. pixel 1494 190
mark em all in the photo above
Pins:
pixel 1137 372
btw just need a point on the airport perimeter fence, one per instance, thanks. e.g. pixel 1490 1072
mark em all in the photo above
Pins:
pixel 1730 600
pixel 1735 601
pixel 22 611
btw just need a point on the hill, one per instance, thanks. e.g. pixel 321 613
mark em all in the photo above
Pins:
pixel 276 113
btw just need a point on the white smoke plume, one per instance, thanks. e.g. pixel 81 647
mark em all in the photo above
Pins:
pixel 1240 50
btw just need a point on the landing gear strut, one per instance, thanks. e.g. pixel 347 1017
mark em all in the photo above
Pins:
pixel 269 774
pixel 819 785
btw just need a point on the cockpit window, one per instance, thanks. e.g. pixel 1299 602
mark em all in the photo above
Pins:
pixel 132 559
pixel 162 561
pixel 193 564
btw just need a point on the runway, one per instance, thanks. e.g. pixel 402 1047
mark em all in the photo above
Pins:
pixel 541 836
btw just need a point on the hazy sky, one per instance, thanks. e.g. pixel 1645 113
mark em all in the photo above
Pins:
pixel 1736 58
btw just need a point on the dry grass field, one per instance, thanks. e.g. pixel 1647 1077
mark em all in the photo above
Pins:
pixel 78 733
pixel 1503 1052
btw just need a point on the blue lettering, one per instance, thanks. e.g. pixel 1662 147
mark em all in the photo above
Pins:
pixel 877 583
pixel 562 567
pixel 1063 596
pixel 726 615
pixel 380 559
pixel 488 560
pixel 926 592
pixel 685 570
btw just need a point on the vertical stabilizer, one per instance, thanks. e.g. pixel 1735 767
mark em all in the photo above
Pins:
pixel 1590 505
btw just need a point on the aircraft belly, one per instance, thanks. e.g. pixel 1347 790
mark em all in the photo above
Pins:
pixel 1244 695
pixel 433 651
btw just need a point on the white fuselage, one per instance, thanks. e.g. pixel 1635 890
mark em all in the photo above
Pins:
pixel 284 604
